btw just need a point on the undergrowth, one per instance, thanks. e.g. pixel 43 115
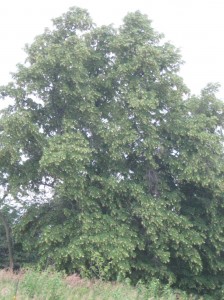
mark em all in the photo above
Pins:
pixel 48 285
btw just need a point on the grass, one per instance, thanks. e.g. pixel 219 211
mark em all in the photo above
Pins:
pixel 54 286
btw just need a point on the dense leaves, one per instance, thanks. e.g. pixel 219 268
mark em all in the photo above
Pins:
pixel 122 169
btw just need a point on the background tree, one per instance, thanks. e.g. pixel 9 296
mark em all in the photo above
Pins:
pixel 123 176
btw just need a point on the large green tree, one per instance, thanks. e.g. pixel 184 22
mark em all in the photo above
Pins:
pixel 121 168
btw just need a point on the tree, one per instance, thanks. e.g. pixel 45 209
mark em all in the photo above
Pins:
pixel 6 250
pixel 11 252
pixel 124 176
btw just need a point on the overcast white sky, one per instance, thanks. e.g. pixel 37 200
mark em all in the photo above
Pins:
pixel 194 26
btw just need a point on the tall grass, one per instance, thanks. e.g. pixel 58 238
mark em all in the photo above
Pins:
pixel 49 285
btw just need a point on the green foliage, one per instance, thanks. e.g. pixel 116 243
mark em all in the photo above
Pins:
pixel 123 176
pixel 46 285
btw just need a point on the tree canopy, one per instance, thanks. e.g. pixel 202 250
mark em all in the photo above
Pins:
pixel 121 168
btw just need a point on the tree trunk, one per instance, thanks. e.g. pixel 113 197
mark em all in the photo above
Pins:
pixel 8 239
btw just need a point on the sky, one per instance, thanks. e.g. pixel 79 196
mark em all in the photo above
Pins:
pixel 196 27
